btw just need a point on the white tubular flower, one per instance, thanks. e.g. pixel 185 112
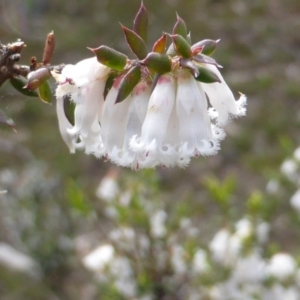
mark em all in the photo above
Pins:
pixel 195 129
pixel 222 99
pixel 83 83
pixel 150 144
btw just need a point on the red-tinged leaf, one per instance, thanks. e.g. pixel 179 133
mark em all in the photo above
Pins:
pixel 160 45
pixel 135 42
pixel 140 24
pixel 205 60
pixel 182 47
pixel 4 120
pixel 207 76
pixel 36 78
pixel 128 82
pixel 158 63
pixel 110 57
pixel 189 64
pixel 19 83
pixel 180 28
pixel 206 47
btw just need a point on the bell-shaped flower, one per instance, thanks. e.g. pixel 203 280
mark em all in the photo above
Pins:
pixel 83 84
pixel 150 144
pixel 222 100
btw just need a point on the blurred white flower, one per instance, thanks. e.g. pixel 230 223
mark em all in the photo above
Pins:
pixel 272 187
pixel 200 262
pixel 99 258
pixel 18 261
pixel 295 201
pixel 281 266
pixel 108 188
pixel 177 259
pixel 157 222
pixel 249 269
pixel 166 127
pixel 289 168
pixel 278 292
pixel 225 248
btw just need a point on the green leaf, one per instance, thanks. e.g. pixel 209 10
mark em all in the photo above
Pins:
pixel 109 83
pixel 207 76
pixel 160 45
pixel 110 57
pixel 135 42
pixel 128 82
pixel 206 47
pixel 158 63
pixel 180 28
pixel 19 83
pixel 69 109
pixel 182 47
pixel 45 92
pixel 140 24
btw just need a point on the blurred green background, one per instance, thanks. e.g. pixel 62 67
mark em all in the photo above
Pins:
pixel 51 193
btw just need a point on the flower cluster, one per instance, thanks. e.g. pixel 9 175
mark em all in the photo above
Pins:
pixel 159 109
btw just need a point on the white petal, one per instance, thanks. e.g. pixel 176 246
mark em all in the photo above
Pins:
pixel 221 97
pixel 155 125
pixel 64 125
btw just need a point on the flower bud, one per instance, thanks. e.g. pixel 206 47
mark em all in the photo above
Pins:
pixel 36 78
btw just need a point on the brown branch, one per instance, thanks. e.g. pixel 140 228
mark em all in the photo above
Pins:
pixel 10 54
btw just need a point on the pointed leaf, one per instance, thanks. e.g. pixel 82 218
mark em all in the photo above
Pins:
pixel 135 42
pixel 19 83
pixel 182 47
pixel 45 92
pixel 160 44
pixel 205 60
pixel 189 64
pixel 206 47
pixel 4 120
pixel 109 83
pixel 158 63
pixel 180 28
pixel 128 82
pixel 110 57
pixel 140 24
pixel 69 109
pixel 207 76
